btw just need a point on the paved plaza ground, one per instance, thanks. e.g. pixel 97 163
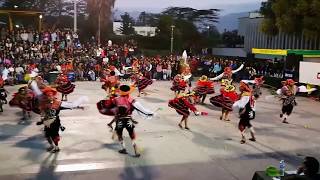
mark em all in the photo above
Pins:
pixel 211 150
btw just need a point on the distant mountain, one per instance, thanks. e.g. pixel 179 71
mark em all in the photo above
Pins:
pixel 230 21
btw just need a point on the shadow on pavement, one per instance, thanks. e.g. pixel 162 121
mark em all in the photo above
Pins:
pixel 140 172
pixel 47 169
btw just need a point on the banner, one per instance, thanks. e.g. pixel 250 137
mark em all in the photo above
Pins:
pixel 270 51
pixel 309 73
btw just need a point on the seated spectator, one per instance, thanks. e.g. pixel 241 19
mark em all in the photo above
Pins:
pixel 310 169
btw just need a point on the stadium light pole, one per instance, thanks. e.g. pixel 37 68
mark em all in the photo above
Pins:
pixel 75 16
pixel 172 28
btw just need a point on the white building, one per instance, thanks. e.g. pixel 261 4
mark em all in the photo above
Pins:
pixel 140 30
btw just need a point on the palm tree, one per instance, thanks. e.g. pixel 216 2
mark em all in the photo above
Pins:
pixel 101 10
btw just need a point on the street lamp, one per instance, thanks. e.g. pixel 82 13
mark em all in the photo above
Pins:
pixel 75 16
pixel 208 30
pixel 172 28
pixel 15 6
pixel 40 22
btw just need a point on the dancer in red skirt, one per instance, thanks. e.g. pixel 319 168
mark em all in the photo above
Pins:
pixel 204 87
pixel 24 99
pixel 178 85
pixel 142 83
pixel 65 86
pixel 225 100
pixel 111 81
pixel 183 105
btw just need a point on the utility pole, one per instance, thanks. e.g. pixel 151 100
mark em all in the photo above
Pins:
pixel 172 28
pixel 75 16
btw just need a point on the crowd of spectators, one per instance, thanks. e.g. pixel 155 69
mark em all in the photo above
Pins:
pixel 22 51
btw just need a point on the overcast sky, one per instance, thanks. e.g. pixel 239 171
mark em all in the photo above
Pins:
pixel 228 6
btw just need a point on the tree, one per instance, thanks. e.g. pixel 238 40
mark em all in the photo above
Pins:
pixel 201 18
pixel 100 12
pixel 231 39
pixel 147 19
pixel 292 17
pixel 127 24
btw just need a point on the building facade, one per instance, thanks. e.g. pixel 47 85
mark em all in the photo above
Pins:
pixel 140 30
pixel 250 29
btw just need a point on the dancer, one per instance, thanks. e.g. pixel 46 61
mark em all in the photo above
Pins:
pixel 65 87
pixel 111 81
pixel 178 85
pixel 142 83
pixel 24 99
pixel 187 76
pixel 288 96
pixel 183 105
pixel 121 108
pixel 50 108
pixel 257 84
pixel 225 100
pixel 3 94
pixel 246 107
pixel 204 87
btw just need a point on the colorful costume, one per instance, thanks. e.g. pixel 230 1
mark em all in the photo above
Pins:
pixel 225 100
pixel 121 108
pixel 257 83
pixel 204 87
pixel 183 105
pixel 3 94
pixel 228 94
pixel 178 84
pixel 142 82
pixel 288 96
pixel 227 97
pixel 110 81
pixel 50 108
pixel 246 107
pixel 24 99
pixel 65 86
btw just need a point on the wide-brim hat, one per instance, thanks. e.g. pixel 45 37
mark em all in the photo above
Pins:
pixel 125 90
pixel 203 78
pixel 48 90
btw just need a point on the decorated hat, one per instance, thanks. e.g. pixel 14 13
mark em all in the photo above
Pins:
pixel 228 70
pixel 226 82
pixel 47 90
pixel 259 80
pixel 203 78
pixel 125 90
pixel 290 82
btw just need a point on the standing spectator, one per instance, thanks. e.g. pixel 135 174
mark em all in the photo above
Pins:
pixel 159 71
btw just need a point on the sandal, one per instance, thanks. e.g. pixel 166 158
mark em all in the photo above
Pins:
pixel 242 141
pixel 180 126
pixel 253 139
